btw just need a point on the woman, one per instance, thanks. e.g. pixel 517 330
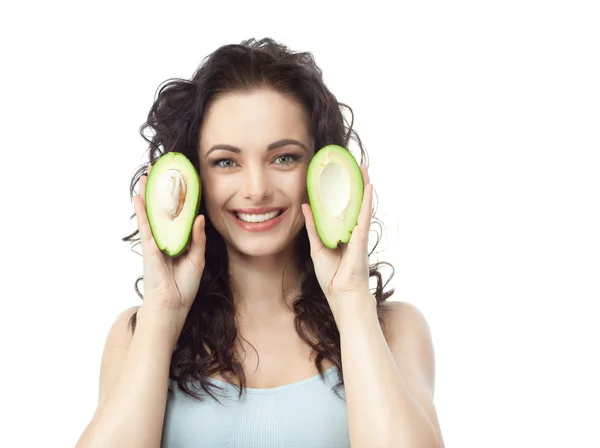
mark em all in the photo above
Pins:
pixel 260 338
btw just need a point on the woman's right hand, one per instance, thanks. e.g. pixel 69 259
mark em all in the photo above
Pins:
pixel 170 283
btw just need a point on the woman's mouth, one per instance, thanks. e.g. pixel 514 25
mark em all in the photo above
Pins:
pixel 258 222
pixel 258 217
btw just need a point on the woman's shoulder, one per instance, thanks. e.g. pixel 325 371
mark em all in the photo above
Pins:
pixel 121 325
pixel 398 312
pixel 117 342
pixel 404 323
pixel 124 316
pixel 409 338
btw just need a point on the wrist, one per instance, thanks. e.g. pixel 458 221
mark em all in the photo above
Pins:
pixel 166 323
pixel 353 309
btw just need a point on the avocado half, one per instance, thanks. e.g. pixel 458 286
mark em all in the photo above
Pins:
pixel 335 191
pixel 172 202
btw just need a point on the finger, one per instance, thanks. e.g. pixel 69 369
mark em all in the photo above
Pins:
pixel 198 245
pixel 360 234
pixel 313 236
pixel 143 182
pixel 146 238
pixel 365 174
pixel 366 209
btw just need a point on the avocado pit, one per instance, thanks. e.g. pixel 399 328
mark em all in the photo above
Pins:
pixel 171 192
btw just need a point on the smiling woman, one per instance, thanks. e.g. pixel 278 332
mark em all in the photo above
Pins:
pixel 267 176
pixel 260 333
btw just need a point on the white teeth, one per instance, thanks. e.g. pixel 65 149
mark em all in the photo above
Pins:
pixel 257 218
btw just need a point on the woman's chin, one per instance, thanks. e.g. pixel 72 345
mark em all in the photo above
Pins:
pixel 261 247
pixel 267 244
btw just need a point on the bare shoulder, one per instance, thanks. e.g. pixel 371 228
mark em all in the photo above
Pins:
pixel 408 335
pixel 402 319
pixel 120 333
pixel 115 347
pixel 123 318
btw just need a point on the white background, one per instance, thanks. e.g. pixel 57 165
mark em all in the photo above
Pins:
pixel 482 122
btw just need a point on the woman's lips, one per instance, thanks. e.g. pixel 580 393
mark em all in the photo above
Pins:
pixel 258 226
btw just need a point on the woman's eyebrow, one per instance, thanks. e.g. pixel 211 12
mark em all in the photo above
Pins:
pixel 272 146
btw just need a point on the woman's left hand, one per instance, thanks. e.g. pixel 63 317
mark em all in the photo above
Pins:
pixel 343 273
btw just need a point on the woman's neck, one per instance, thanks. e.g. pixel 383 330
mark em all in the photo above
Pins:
pixel 264 286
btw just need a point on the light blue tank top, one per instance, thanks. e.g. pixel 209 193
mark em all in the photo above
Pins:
pixel 304 414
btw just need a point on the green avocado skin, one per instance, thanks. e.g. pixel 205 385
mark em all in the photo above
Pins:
pixel 191 208
pixel 333 230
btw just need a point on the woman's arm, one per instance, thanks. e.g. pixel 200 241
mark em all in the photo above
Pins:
pixel 134 381
pixel 389 383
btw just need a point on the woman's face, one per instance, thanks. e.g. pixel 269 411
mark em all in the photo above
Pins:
pixel 255 149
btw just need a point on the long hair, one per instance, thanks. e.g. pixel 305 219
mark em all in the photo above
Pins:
pixel 206 344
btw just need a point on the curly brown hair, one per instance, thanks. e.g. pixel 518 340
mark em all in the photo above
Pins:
pixel 206 344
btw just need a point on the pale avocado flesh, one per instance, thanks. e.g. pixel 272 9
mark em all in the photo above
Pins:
pixel 335 191
pixel 172 202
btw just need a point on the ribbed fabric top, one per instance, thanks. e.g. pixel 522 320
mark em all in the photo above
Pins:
pixel 304 414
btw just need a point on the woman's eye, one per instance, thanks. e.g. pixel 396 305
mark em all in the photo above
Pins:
pixel 223 163
pixel 283 159
pixel 286 159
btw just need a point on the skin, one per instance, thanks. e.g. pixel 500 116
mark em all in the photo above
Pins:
pixel 398 364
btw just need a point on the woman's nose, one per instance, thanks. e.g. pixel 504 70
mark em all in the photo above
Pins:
pixel 257 184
